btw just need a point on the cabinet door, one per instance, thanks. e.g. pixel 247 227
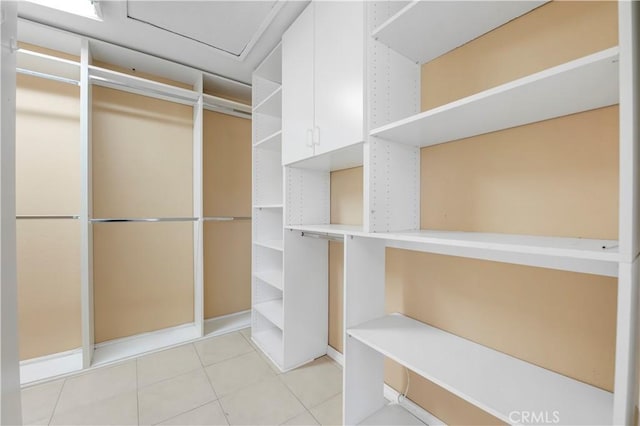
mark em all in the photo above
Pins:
pixel 339 74
pixel 297 88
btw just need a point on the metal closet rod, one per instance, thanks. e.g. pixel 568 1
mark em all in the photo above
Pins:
pixel 144 219
pixel 38 216
pixel 47 76
pixel 321 236
pixel 225 218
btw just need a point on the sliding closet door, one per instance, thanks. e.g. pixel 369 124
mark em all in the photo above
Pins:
pixel 142 168
pixel 227 194
pixel 47 197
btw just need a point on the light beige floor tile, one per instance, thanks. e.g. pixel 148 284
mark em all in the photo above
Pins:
pixel 235 373
pixel 164 400
pixel 121 409
pixel 246 332
pixel 266 403
pixel 97 385
pixel 167 364
pixel 38 402
pixel 329 413
pixel 208 414
pixel 266 359
pixel 315 382
pixel 39 422
pixel 223 347
pixel 304 419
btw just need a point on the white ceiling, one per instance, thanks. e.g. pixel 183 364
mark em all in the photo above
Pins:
pixel 228 38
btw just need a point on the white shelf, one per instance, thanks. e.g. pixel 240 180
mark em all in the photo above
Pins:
pixel 342 158
pixel 330 229
pixel 392 414
pixel 270 244
pixel 142 86
pixel 47 64
pixel 424 30
pixel 271 105
pixel 273 142
pixel 271 310
pixel 491 380
pixel 267 206
pixel 273 278
pixel 587 83
pixel 271 66
pixel 270 342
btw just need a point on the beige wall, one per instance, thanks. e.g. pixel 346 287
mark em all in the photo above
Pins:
pixel 550 35
pixel 346 209
pixel 557 177
pixel 227 192
pixel 143 277
pixel 48 286
pixel 142 167
pixel 142 156
pixel 48 183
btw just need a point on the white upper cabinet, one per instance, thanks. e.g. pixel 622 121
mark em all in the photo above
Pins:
pixel 323 80
pixel 297 88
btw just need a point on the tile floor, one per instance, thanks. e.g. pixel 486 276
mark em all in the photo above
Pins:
pixel 222 380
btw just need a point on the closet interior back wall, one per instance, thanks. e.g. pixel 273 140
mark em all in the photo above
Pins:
pixel 346 209
pixel 227 193
pixel 48 184
pixel 142 167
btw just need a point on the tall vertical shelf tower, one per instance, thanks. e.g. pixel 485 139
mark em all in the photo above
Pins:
pixel 267 250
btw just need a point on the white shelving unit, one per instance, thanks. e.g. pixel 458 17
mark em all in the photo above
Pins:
pixel 402 38
pixel 84 73
pixel 267 256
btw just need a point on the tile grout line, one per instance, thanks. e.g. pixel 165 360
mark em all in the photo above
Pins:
pixel 64 382
pixel 224 413
pixel 137 393
pixel 184 412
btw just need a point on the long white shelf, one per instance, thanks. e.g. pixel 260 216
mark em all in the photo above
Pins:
pixel 441 26
pixel 271 105
pixel 272 142
pixel 271 310
pixel 273 278
pixel 329 229
pixel 47 64
pixel 143 86
pixel 491 380
pixel 270 244
pixel 218 104
pixel 587 83
pixel 270 342
pixel 392 414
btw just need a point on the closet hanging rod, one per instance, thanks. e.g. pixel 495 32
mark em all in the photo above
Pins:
pixel 225 218
pixel 144 219
pixel 47 76
pixel 322 236
pixel 37 216
pixel 108 81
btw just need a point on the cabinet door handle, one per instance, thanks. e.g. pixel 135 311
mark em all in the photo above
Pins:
pixel 309 142
pixel 316 135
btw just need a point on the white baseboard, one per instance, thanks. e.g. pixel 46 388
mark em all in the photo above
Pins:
pixel 227 323
pixel 62 364
pixel 392 395
pixel 426 417
pixel 335 355
pixel 39 369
